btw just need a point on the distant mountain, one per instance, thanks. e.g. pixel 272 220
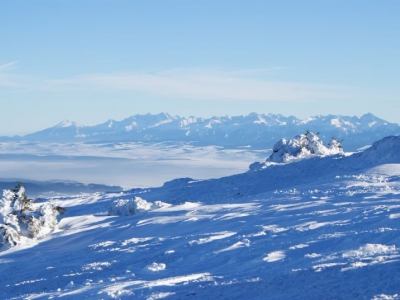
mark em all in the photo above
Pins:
pixel 254 130
pixel 53 188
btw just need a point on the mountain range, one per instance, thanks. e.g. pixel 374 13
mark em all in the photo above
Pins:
pixel 257 131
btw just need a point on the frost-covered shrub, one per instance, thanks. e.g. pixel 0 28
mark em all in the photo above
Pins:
pixel 127 207
pixel 20 218
pixel 303 146
pixel 121 207
pixel 335 145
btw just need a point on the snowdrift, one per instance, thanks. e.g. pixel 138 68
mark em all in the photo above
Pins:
pixel 384 151
pixel 325 227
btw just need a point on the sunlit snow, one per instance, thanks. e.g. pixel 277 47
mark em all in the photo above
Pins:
pixel 319 228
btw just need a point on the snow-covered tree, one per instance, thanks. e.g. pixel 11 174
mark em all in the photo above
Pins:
pixel 303 146
pixel 335 144
pixel 21 218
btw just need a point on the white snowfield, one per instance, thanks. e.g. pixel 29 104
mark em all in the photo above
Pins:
pixel 317 228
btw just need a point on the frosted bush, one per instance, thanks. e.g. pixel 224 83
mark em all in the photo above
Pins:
pixel 122 207
pixel 141 205
pixel 127 207
pixel 48 218
pixel 303 146
pixel 19 218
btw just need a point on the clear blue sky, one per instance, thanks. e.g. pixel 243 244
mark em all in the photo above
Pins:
pixel 92 60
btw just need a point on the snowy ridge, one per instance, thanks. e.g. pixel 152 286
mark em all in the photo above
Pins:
pixel 64 130
pixel 67 123
pixel 319 228
pixel 256 130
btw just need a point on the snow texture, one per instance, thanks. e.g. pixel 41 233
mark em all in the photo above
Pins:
pixel 125 207
pixel 326 227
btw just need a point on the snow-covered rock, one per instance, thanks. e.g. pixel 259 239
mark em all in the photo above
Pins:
pixel 302 146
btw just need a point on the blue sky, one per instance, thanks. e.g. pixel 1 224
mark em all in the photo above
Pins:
pixel 88 61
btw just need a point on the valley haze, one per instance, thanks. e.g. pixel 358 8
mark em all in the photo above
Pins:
pixel 129 152
pixel 256 131
pixel 322 224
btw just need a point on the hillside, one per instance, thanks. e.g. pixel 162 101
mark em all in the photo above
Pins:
pixel 318 228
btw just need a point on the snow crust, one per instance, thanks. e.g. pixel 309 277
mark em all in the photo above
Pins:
pixel 326 227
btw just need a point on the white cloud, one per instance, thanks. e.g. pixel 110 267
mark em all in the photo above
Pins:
pixel 8 66
pixel 188 84
pixel 207 84
pixel 6 78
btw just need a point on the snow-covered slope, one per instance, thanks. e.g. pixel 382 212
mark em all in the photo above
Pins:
pixel 318 228
pixel 255 130
pixel 62 131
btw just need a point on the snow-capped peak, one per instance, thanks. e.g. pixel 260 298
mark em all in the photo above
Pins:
pixel 67 123
pixel 257 130
pixel 110 123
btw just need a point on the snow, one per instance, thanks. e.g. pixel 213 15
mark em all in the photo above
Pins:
pixel 128 207
pixel 336 123
pixel 226 131
pixel 324 227
pixel 372 123
pixel 370 250
pixel 155 267
pixel 275 256
pixel 302 146
pixel 67 123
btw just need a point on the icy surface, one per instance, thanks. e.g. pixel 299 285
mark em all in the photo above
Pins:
pixel 319 228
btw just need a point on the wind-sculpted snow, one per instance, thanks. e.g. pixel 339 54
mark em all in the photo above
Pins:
pixel 383 151
pixel 319 228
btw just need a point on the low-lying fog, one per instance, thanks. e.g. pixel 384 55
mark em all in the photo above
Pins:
pixel 128 165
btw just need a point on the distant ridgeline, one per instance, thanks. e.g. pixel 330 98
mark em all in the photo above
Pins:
pixel 257 131
pixel 53 188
